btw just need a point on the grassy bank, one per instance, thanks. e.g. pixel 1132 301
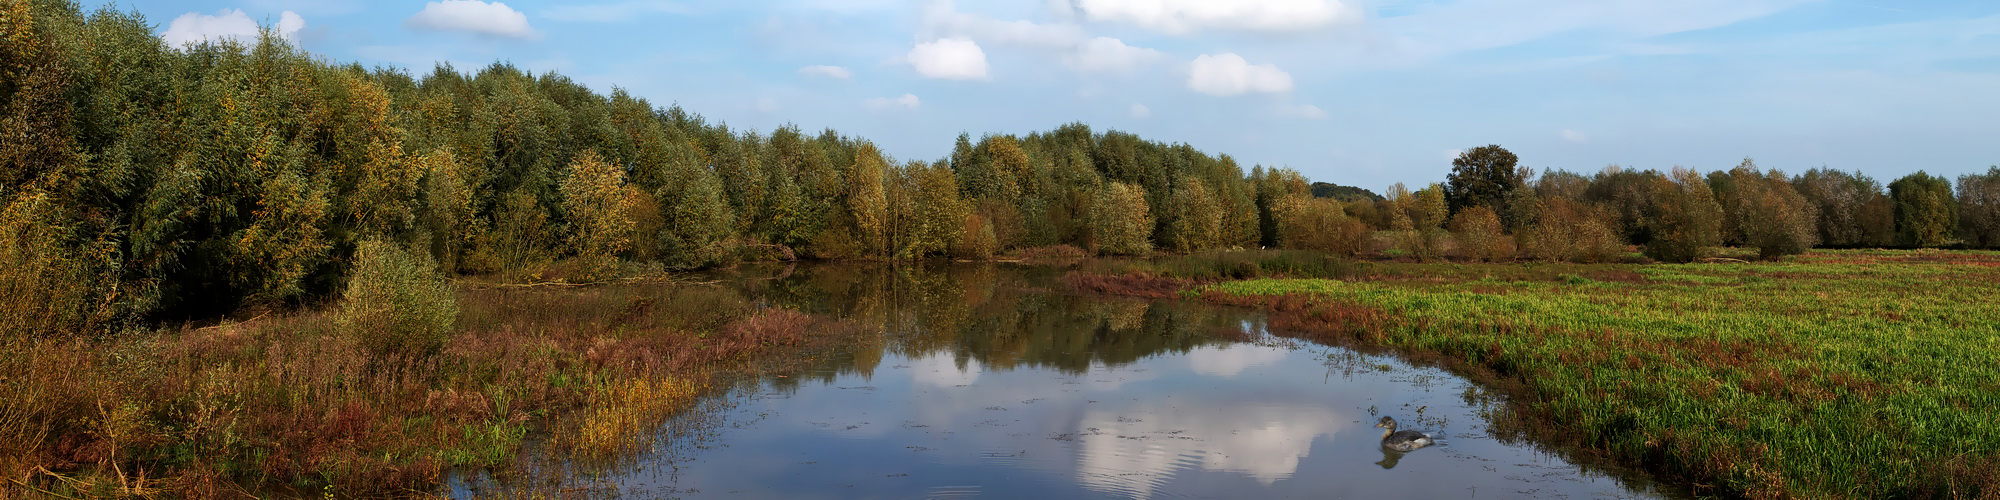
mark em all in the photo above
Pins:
pixel 287 404
pixel 1860 374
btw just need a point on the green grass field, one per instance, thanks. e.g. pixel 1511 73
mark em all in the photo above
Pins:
pixel 1862 374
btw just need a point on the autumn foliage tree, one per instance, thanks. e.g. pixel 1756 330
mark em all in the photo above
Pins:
pixel 1480 235
pixel 1685 222
pixel 1979 208
pixel 1321 224
pixel 1771 215
pixel 599 214
pixel 1121 221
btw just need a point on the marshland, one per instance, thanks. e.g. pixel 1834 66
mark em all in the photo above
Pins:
pixel 235 266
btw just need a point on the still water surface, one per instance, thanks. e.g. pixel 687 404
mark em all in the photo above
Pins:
pixel 988 382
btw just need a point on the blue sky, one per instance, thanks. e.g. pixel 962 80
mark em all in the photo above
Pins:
pixel 1359 92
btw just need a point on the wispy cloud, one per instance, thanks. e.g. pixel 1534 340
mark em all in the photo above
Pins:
pixel 906 101
pixel 1192 16
pixel 834 72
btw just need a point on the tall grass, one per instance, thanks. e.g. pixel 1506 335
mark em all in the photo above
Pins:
pixel 1838 374
pixel 306 403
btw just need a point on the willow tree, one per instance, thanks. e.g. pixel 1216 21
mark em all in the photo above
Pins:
pixel 1480 234
pixel 1121 222
pixel 926 215
pixel 599 213
pixel 1979 208
pixel 1686 222
pixel 1322 224
pixel 1197 217
pixel 1771 215
pixel 867 203
pixel 1851 207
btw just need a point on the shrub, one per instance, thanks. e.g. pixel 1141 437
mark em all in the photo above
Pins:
pixel 1478 231
pixel 1571 231
pixel 1771 215
pixel 397 303
pixel 1687 222
pixel 1319 224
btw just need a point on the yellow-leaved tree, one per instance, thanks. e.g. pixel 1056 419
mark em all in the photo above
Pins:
pixel 599 214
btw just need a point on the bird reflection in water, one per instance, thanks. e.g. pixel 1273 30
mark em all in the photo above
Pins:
pixel 1389 458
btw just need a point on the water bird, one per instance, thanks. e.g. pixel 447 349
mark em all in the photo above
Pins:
pixel 1402 440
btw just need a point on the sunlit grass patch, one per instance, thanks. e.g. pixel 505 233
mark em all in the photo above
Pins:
pixel 623 415
pixel 1855 374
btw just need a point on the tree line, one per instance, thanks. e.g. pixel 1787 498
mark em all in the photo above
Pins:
pixel 1492 208
pixel 143 182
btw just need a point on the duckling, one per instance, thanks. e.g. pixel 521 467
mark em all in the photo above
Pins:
pixel 1403 440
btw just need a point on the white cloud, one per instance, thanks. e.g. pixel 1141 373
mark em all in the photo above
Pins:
pixel 827 71
pixel 950 58
pixel 1229 74
pixel 1140 111
pixel 1187 16
pixel 1109 55
pixel 908 101
pixel 1307 111
pixel 474 16
pixel 1573 136
pixel 943 20
pixel 227 24
pixel 767 105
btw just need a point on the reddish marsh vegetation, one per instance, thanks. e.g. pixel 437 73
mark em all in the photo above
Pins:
pixel 289 403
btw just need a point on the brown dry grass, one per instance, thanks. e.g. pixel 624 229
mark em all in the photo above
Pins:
pixel 288 405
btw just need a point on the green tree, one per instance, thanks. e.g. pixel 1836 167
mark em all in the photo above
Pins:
pixel 1121 222
pixel 1926 213
pixel 1319 224
pixel 926 215
pixel 1770 214
pixel 867 202
pixel 1686 222
pixel 599 213
pixel 1197 217
pixel 1484 176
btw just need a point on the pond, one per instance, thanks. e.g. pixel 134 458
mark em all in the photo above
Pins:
pixel 988 381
